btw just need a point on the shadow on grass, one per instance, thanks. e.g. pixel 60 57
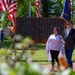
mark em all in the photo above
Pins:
pixel 38 46
pixel 7 43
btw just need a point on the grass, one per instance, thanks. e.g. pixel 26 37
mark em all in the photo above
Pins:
pixel 39 51
pixel 40 54
pixel 8 43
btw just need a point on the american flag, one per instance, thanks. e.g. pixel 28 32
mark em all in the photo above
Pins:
pixel 4 5
pixel 38 4
pixel 12 12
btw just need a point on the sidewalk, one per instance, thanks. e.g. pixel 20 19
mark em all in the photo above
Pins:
pixel 49 67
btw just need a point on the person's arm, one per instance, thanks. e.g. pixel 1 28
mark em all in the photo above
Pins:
pixel 64 34
pixel 62 42
pixel 74 35
pixel 62 47
pixel 47 45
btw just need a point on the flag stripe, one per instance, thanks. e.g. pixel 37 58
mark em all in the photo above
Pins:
pixel 12 11
pixel 13 7
pixel 4 5
pixel 38 8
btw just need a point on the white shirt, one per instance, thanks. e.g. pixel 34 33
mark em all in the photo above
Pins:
pixel 54 42
pixel 68 30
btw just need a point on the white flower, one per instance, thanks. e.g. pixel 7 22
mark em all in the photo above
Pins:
pixel 13 57
pixel 18 37
pixel 18 45
pixel 36 68
pixel 17 64
pixel 4 69
pixel 66 72
pixel 45 71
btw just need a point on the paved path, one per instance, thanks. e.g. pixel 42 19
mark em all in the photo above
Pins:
pixel 49 67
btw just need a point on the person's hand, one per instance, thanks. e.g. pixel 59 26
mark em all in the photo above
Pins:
pixel 63 42
pixel 61 56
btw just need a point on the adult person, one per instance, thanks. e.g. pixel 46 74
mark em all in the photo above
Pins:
pixel 69 38
pixel 53 46
pixel 2 38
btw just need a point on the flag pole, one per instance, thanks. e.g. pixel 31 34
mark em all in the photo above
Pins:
pixel 69 14
pixel 15 32
pixel 72 7
pixel 12 17
pixel 30 10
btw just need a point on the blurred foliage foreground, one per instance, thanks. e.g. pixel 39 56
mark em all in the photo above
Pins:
pixel 11 64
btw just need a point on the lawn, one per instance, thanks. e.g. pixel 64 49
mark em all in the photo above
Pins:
pixel 39 51
pixel 8 42
pixel 40 54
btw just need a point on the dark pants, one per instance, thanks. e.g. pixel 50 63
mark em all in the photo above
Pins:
pixel 54 55
pixel 69 57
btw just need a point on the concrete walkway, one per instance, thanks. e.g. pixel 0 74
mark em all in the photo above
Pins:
pixel 56 68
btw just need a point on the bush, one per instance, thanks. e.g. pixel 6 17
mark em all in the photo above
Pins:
pixel 20 64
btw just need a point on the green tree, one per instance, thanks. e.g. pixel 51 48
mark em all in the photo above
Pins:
pixel 45 6
pixel 48 7
pixel 23 7
pixel 52 7
pixel 6 22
